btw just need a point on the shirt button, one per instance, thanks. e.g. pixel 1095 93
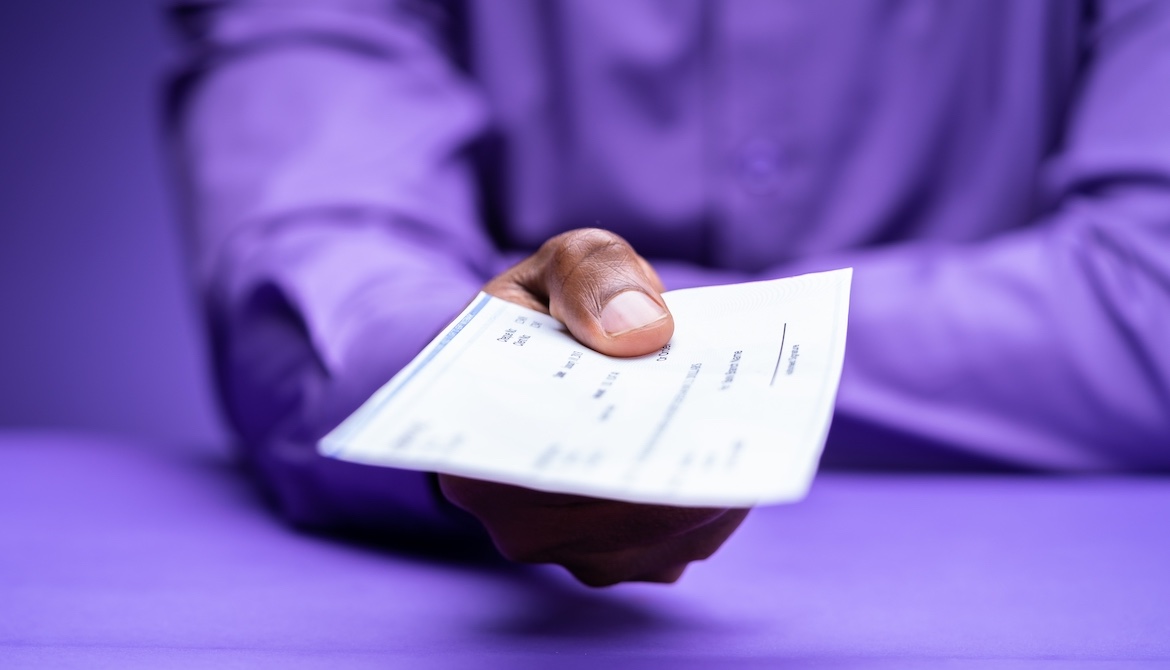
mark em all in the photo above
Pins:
pixel 759 166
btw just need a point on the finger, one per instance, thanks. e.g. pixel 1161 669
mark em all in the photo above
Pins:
pixel 601 542
pixel 662 562
pixel 606 294
pixel 540 527
pixel 591 574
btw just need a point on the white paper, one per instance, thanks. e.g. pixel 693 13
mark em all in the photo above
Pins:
pixel 734 412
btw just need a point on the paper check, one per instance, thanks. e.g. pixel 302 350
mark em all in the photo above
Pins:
pixel 734 411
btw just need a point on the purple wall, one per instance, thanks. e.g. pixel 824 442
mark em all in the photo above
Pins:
pixel 98 329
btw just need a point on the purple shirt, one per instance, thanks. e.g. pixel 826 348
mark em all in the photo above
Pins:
pixel 997 173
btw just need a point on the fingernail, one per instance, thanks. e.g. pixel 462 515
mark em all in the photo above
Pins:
pixel 630 310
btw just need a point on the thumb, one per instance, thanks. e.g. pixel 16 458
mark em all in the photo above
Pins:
pixel 607 295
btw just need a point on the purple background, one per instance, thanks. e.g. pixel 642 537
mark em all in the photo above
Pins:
pixel 100 330
pixel 115 556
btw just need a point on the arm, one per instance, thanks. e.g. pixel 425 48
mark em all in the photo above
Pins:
pixel 1049 347
pixel 333 229
pixel 332 242
pixel 1046 348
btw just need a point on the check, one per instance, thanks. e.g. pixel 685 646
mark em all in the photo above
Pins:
pixel 734 411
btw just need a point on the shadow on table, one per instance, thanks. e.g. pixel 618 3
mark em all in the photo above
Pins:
pixel 554 604
pixel 558 609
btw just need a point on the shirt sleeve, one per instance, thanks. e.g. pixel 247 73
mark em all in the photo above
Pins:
pixel 333 227
pixel 1046 348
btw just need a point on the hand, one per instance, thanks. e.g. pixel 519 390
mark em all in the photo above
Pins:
pixel 609 298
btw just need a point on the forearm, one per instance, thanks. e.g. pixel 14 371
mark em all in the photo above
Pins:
pixel 333 231
pixel 1043 349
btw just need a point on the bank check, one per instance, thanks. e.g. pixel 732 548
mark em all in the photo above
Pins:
pixel 734 411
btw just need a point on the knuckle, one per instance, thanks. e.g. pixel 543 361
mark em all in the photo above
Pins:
pixel 520 554
pixel 595 574
pixel 575 247
pixel 705 551
pixel 596 580
pixel 588 258
pixel 591 237
pixel 522 547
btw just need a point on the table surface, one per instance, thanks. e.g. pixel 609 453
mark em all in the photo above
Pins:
pixel 121 555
